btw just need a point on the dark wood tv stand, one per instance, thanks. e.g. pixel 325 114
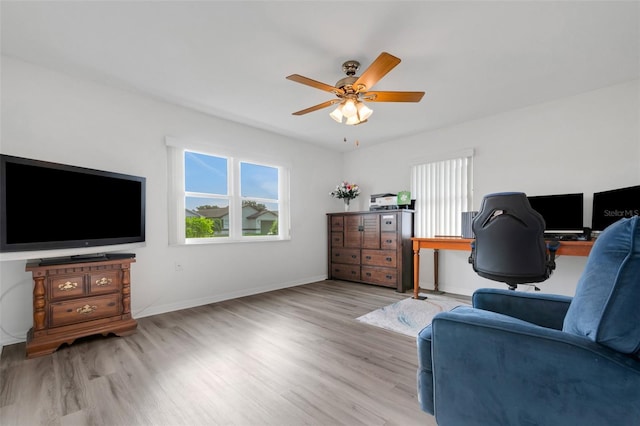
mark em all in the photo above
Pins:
pixel 74 300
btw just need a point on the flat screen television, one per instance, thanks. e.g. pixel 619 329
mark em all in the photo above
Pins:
pixel 48 206
pixel 611 206
pixel 562 213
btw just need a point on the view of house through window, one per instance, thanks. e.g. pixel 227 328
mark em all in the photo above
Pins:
pixel 259 193
pixel 227 198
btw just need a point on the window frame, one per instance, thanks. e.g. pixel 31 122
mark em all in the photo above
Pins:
pixel 176 150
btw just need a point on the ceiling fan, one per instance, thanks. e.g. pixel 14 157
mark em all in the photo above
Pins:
pixel 351 90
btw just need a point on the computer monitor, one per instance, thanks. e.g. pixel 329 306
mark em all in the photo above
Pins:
pixel 562 213
pixel 611 206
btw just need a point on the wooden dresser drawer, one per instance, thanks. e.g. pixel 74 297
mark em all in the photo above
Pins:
pixel 104 282
pixel 343 271
pixel 342 255
pixel 337 239
pixel 84 309
pixel 65 286
pixel 337 223
pixel 383 276
pixel 388 223
pixel 386 258
pixel 388 240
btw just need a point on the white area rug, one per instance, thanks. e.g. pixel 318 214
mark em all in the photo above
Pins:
pixel 409 316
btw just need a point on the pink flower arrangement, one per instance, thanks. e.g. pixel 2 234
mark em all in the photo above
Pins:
pixel 346 190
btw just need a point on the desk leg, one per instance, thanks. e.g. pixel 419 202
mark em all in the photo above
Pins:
pixel 416 273
pixel 435 269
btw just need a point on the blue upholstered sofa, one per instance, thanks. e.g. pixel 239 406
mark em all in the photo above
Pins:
pixel 518 358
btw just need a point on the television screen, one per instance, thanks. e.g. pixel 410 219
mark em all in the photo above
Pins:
pixel 47 206
pixel 561 212
pixel 611 206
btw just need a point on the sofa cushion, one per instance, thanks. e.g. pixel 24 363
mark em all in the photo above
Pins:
pixel 606 306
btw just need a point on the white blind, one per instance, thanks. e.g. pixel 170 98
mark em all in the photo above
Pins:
pixel 443 190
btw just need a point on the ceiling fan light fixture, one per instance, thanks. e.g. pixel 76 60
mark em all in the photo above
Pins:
pixel 364 111
pixel 342 113
pixel 352 121
pixel 349 109
pixel 337 114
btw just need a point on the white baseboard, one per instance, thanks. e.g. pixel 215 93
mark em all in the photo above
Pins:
pixel 192 303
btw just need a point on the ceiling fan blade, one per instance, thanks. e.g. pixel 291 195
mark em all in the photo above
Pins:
pixel 313 83
pixel 317 107
pixel 378 69
pixel 392 96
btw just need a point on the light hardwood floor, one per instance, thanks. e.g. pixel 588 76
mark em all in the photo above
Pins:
pixel 295 356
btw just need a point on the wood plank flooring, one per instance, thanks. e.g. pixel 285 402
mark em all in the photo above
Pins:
pixel 295 356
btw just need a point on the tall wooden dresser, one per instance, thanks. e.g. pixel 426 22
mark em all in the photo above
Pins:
pixel 372 247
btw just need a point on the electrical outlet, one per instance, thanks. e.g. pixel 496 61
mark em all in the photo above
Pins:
pixel 178 267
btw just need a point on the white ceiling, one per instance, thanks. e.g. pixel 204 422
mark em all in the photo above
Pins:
pixel 230 59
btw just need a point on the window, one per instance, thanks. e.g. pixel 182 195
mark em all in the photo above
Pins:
pixel 443 190
pixel 223 198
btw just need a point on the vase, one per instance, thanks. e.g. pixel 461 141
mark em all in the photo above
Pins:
pixel 346 204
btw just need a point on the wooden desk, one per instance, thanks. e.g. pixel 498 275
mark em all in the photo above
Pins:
pixel 567 248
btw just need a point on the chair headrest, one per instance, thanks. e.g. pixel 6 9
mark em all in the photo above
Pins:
pixel 605 306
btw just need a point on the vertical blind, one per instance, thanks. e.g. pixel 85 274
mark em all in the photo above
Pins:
pixel 443 190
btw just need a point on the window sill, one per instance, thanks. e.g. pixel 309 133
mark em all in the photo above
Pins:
pixel 215 241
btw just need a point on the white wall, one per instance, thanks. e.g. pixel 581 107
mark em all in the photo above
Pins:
pixel 586 143
pixel 50 116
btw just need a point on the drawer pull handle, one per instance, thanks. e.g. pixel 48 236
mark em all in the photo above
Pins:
pixel 86 309
pixel 368 274
pixel 368 257
pixel 67 286
pixel 388 222
pixel 389 259
pixel 337 254
pixel 353 272
pixel 389 277
pixel 103 281
pixel 389 241
pixel 353 256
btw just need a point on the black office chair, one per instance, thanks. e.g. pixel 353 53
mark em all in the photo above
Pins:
pixel 509 243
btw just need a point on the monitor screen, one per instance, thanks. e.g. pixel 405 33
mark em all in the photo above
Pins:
pixel 561 212
pixel 611 206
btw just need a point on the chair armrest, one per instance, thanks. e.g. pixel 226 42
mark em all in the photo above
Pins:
pixel 546 310
pixel 492 369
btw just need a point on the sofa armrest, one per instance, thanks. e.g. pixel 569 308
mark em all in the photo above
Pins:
pixel 492 369
pixel 546 310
